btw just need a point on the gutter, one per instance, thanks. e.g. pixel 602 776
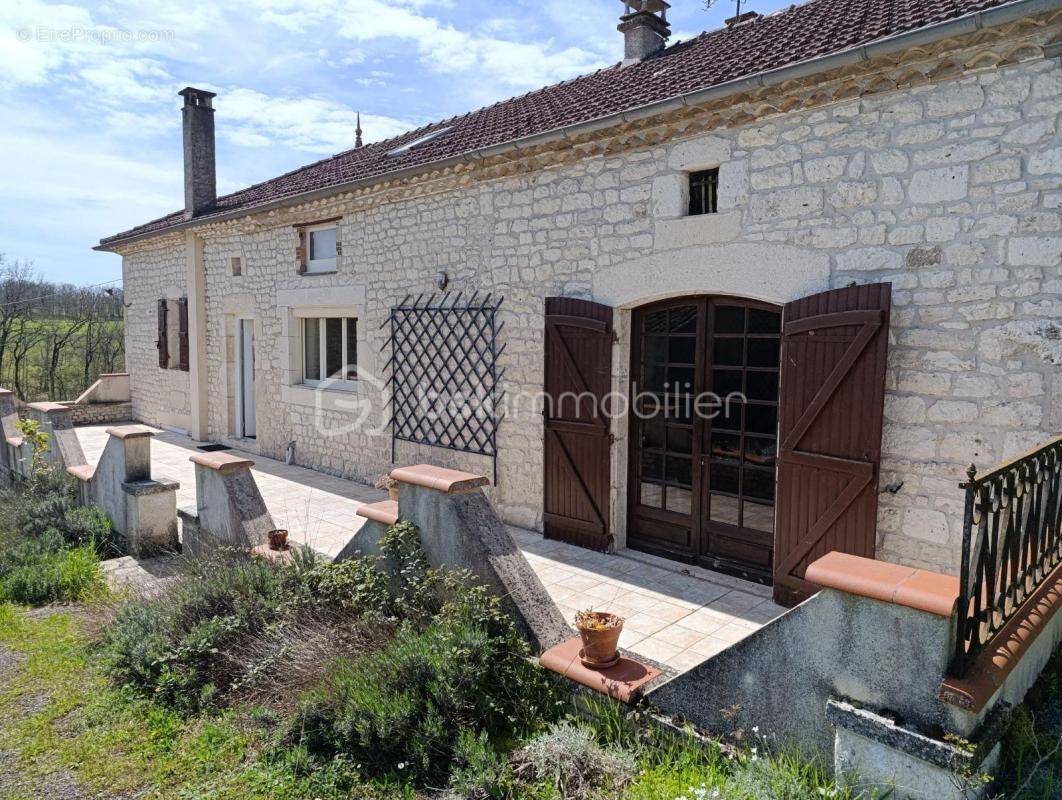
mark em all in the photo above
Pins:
pixel 999 15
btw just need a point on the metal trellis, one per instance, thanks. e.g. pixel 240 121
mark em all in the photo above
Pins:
pixel 444 377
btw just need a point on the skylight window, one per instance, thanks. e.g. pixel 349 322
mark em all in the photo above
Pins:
pixel 428 137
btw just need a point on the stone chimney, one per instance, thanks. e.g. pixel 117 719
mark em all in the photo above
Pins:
pixel 645 29
pixel 200 180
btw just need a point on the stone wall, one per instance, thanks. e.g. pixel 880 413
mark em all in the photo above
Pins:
pixel 153 271
pixel 100 413
pixel 949 190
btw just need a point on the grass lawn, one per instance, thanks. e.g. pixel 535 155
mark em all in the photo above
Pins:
pixel 64 725
pixel 61 721
pixel 241 679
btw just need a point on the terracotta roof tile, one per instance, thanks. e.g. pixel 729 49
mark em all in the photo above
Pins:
pixel 787 37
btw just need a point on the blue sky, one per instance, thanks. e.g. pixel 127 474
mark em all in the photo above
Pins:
pixel 91 133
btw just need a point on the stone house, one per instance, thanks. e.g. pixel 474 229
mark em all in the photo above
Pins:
pixel 687 217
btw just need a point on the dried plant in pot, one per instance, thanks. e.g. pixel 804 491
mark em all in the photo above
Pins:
pixel 390 485
pixel 600 632
pixel 278 540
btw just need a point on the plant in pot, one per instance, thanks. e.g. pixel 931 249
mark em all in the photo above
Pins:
pixel 386 482
pixel 600 632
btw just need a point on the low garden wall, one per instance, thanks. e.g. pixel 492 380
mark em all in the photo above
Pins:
pixel 100 413
pixel 859 674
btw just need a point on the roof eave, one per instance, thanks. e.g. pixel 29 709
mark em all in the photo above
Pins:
pixel 968 23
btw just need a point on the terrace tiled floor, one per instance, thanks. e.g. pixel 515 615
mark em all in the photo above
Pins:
pixel 317 509
pixel 675 614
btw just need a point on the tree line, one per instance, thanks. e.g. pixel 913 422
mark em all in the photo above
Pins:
pixel 56 339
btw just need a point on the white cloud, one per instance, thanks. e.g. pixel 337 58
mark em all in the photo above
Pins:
pixel 96 144
pixel 311 124
pixel 446 49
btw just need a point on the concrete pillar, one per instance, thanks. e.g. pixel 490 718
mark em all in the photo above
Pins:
pixel 64 449
pixel 459 529
pixel 229 508
pixel 11 451
pixel 142 510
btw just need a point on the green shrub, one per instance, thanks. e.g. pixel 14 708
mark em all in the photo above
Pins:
pixel 43 570
pixel 178 647
pixel 570 757
pixel 42 502
pixel 354 586
pixel 480 772
pixel 89 526
pixel 234 622
pixel 397 711
pixel 48 502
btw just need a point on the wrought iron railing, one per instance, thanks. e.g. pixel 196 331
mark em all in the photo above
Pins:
pixel 1010 544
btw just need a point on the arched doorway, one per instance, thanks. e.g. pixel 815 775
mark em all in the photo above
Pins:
pixel 701 484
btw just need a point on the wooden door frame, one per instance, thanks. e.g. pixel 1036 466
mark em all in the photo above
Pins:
pixel 238 372
pixel 699 529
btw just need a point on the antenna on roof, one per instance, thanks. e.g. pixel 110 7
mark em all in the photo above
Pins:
pixel 357 133
pixel 738 17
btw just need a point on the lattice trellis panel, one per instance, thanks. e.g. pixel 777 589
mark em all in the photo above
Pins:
pixel 444 381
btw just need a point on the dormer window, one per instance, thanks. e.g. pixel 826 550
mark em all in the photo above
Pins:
pixel 420 140
pixel 704 192
pixel 323 250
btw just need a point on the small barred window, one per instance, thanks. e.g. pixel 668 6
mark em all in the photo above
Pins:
pixel 704 192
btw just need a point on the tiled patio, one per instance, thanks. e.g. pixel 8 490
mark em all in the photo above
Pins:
pixel 676 615
pixel 317 509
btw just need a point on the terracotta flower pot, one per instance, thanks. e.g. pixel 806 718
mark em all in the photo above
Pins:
pixel 392 492
pixel 600 632
pixel 278 540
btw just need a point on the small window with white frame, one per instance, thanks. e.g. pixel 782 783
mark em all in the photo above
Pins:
pixel 330 352
pixel 321 243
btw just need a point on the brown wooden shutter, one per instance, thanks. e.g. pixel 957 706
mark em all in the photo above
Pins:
pixel 578 376
pixel 163 343
pixel 302 253
pixel 834 349
pixel 182 333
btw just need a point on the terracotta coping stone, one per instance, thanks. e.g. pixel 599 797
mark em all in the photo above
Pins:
pixel 999 658
pixel 83 472
pixel 130 431
pixel 879 580
pixel 48 408
pixel 441 479
pixel 624 681
pixel 221 461
pixel 15 441
pixel 385 512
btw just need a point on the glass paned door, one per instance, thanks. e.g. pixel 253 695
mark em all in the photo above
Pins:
pixel 704 432
pixel 740 442
pixel 663 390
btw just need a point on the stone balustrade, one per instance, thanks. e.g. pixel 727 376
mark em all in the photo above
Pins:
pixel 230 510
pixel 64 448
pixel 142 509
pixel 11 452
